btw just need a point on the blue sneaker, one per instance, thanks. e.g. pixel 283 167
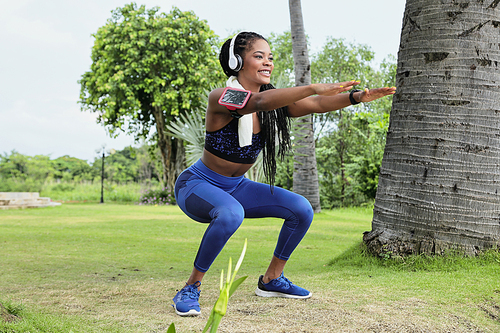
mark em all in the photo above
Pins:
pixel 281 287
pixel 186 300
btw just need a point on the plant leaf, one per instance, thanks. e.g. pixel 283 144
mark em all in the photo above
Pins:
pixel 238 264
pixel 236 284
pixel 229 271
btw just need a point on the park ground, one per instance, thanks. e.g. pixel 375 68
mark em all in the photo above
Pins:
pixel 115 268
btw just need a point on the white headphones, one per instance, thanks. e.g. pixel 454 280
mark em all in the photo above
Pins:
pixel 235 61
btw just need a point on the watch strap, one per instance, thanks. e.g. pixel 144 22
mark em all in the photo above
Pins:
pixel 351 97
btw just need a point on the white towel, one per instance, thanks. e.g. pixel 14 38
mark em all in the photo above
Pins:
pixel 245 123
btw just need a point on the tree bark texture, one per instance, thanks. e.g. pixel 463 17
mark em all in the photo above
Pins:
pixel 177 161
pixel 440 177
pixel 171 150
pixel 305 174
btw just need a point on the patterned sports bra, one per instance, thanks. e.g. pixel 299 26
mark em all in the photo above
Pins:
pixel 224 144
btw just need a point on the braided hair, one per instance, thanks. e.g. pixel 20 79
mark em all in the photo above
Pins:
pixel 275 124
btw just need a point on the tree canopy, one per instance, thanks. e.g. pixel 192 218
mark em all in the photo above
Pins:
pixel 148 68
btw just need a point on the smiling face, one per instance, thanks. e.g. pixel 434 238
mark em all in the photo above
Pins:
pixel 257 66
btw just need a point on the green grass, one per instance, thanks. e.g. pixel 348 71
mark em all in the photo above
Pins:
pixel 115 268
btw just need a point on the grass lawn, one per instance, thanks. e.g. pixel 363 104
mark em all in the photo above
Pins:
pixel 115 268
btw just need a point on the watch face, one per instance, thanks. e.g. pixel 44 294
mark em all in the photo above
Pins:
pixel 235 97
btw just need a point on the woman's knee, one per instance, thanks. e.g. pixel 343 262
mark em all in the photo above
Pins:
pixel 229 218
pixel 303 211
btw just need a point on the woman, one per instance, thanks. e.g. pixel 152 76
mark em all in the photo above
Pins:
pixel 214 189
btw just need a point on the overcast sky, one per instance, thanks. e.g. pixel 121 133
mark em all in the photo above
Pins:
pixel 46 46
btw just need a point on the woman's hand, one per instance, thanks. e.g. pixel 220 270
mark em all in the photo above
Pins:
pixel 369 95
pixel 331 89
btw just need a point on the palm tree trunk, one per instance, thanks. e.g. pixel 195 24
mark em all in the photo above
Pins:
pixel 439 181
pixel 305 175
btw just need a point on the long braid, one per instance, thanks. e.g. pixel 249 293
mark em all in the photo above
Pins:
pixel 275 124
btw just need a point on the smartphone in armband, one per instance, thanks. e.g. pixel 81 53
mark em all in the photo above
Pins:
pixel 234 98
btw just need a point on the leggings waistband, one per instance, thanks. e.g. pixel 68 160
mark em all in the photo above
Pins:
pixel 225 183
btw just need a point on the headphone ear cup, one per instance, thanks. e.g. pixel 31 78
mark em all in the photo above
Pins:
pixel 239 61
pixel 233 62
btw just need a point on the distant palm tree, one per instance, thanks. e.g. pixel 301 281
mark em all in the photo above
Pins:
pixel 439 184
pixel 305 175
pixel 191 129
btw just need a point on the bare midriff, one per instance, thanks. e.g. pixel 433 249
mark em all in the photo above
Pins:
pixel 223 167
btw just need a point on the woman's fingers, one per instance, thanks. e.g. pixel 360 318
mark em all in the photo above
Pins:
pixel 369 95
pixel 336 88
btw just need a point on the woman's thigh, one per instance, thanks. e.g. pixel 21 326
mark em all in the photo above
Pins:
pixel 258 201
pixel 201 200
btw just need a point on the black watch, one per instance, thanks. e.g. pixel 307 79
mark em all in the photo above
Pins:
pixel 351 97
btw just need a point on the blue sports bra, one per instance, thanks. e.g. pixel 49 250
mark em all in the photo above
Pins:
pixel 224 144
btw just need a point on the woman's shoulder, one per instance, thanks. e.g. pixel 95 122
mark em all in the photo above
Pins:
pixel 213 100
pixel 217 115
pixel 216 93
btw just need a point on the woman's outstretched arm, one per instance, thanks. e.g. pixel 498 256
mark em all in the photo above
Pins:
pixel 275 98
pixel 322 104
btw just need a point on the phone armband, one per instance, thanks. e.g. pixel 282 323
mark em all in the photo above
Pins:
pixel 234 98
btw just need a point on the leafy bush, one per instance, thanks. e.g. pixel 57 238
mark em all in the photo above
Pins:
pixel 20 185
pixel 63 187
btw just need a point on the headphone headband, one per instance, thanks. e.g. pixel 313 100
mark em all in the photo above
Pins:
pixel 235 62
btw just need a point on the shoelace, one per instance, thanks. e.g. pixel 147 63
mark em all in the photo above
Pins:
pixel 190 292
pixel 283 280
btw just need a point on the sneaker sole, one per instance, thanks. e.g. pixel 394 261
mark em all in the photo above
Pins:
pixel 262 293
pixel 190 313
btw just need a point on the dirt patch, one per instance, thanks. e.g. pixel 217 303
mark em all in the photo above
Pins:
pixel 491 309
pixel 6 316
pixel 146 307
pixel 324 314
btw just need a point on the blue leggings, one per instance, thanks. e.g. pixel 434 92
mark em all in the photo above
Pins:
pixel 208 197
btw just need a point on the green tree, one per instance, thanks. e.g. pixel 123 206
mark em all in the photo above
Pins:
pixel 21 173
pixel 131 164
pixel 13 165
pixel 281 46
pixel 340 61
pixel 370 130
pixel 122 166
pixel 351 141
pixel 147 69
pixel 72 168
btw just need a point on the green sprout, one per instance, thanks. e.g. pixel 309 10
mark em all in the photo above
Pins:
pixel 226 290
pixel 171 329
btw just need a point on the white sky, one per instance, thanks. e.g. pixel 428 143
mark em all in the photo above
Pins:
pixel 45 47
